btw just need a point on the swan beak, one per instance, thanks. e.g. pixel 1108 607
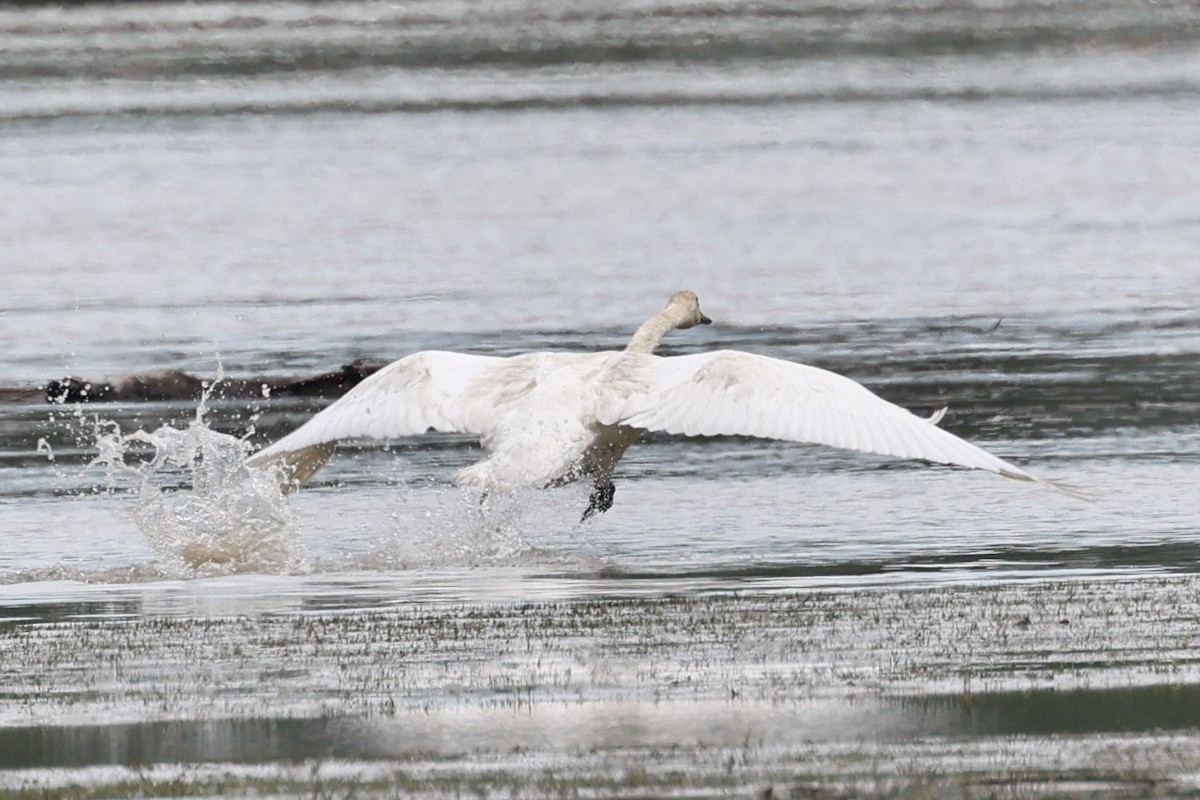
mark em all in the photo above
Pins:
pixel 705 320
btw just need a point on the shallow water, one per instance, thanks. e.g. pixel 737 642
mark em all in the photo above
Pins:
pixel 991 208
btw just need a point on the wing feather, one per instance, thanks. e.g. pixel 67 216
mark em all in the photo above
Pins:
pixel 427 391
pixel 730 392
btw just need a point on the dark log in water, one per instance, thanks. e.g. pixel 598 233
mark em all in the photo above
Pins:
pixel 172 384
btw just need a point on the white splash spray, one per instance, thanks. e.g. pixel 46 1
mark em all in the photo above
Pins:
pixel 201 509
pixel 451 526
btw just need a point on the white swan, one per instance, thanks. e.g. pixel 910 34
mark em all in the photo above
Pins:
pixel 550 418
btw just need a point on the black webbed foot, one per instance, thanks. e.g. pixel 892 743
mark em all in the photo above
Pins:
pixel 601 499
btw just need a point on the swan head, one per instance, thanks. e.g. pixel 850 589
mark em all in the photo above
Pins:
pixel 685 308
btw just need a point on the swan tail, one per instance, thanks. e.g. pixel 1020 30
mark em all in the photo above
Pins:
pixel 295 468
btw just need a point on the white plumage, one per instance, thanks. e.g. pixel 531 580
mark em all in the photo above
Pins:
pixel 550 418
pixel 730 393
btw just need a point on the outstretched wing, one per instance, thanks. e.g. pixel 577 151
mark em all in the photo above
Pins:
pixel 733 393
pixel 427 391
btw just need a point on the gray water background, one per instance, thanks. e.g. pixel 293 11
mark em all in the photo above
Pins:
pixel 989 206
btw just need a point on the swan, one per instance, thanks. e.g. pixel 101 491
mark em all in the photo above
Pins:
pixel 546 419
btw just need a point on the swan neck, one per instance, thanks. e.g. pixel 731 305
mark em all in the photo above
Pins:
pixel 650 335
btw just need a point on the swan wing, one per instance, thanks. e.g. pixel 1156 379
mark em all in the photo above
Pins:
pixel 731 393
pixel 427 391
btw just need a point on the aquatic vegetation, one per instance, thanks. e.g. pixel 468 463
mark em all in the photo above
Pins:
pixel 921 691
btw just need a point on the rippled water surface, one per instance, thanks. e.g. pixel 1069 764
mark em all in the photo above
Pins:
pixel 992 207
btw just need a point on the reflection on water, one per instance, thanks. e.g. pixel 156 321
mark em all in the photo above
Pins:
pixel 438 732
pixel 1072 712
pixel 603 725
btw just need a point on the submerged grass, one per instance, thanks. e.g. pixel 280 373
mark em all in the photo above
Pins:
pixel 1033 688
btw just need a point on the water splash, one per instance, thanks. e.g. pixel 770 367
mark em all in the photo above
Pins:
pixel 203 512
pixel 201 509
pixel 447 526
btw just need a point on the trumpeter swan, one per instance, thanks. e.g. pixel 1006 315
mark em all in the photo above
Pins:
pixel 547 419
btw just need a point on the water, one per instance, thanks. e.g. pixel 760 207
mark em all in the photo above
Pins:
pixel 987 207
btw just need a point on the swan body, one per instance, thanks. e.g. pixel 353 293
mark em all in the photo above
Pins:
pixel 546 419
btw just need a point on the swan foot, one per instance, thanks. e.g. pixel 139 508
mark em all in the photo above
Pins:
pixel 601 498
